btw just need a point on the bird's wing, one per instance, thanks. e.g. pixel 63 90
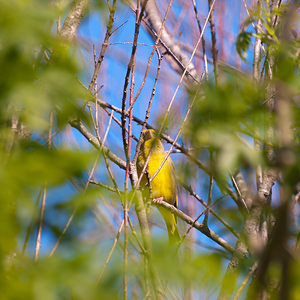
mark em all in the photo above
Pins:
pixel 173 180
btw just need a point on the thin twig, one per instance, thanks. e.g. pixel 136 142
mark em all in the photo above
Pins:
pixel 245 281
pixel 203 40
pixel 44 197
pixel 105 42
pixel 28 231
pixel 103 185
pixel 125 208
pixel 39 233
pixel 210 190
pixel 110 252
pixel 213 40
pixel 136 237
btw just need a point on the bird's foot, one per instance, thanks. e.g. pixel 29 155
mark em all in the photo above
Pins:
pixel 158 200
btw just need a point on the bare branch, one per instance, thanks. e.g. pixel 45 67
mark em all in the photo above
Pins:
pixel 73 19
pixel 183 61
pixel 202 228
pixel 104 44
pixel 94 141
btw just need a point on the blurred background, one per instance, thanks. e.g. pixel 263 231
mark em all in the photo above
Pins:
pixel 80 80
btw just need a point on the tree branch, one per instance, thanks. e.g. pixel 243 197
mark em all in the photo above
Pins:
pixel 94 141
pixel 178 59
pixel 202 228
pixel 73 19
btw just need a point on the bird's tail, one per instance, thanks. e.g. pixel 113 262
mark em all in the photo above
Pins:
pixel 171 222
pixel 173 234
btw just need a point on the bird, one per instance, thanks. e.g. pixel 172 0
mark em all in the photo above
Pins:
pixel 163 186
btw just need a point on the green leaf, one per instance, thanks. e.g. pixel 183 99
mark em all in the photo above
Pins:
pixel 243 43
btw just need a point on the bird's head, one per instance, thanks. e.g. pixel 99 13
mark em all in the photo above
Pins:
pixel 149 134
pixel 151 140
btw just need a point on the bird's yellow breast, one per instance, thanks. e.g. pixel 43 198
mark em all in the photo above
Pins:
pixel 163 184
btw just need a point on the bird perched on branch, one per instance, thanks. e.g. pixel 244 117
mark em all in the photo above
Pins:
pixel 163 186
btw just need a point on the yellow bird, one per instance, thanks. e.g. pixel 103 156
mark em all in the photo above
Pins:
pixel 163 185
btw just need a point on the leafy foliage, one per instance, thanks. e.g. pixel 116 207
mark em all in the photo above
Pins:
pixel 38 77
pixel 228 119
